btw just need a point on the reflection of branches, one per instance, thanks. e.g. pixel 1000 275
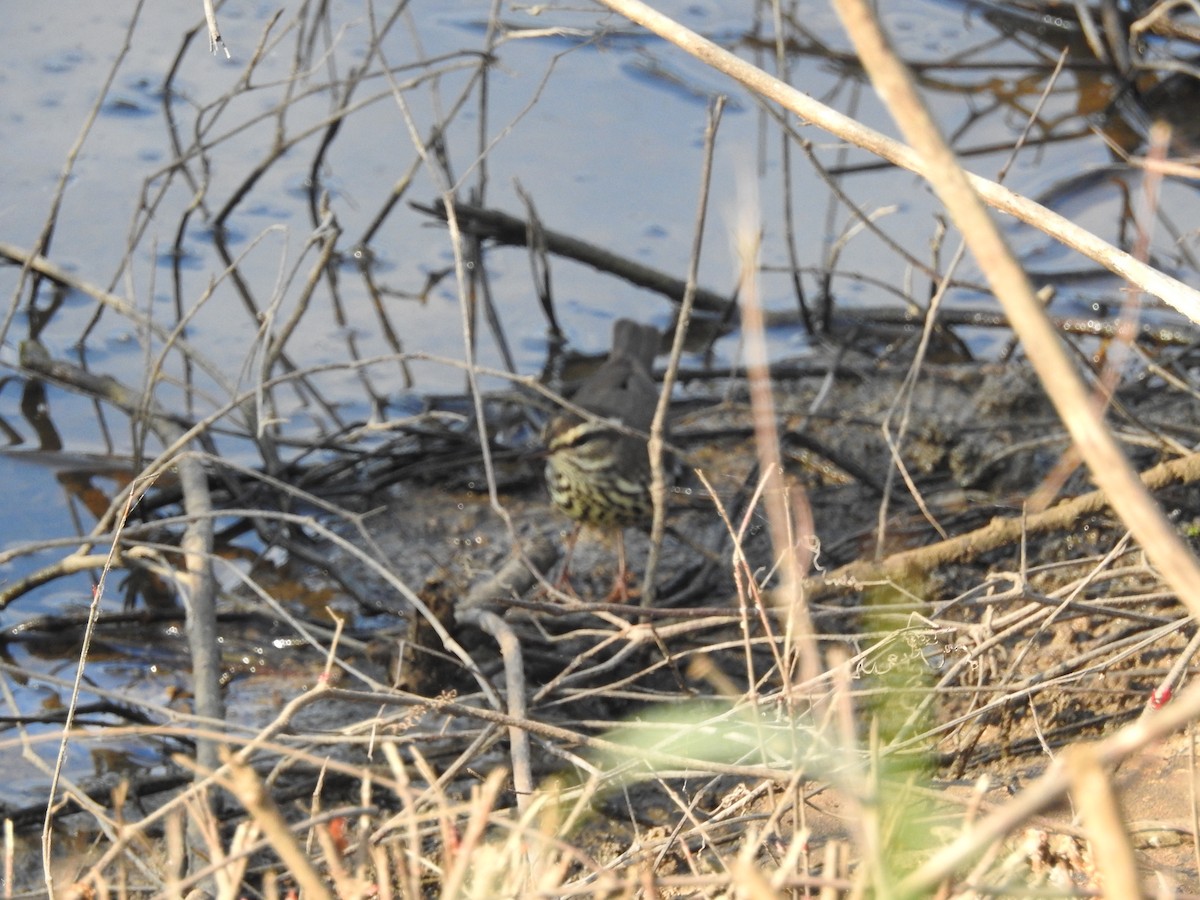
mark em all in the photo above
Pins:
pixel 42 245
pixel 192 164
pixel 119 304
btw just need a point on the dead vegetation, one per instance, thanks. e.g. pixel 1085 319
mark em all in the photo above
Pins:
pixel 903 641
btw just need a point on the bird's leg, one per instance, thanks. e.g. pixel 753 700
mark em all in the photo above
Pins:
pixel 621 592
pixel 564 576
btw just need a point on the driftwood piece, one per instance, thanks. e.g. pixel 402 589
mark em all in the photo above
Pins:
pixel 490 224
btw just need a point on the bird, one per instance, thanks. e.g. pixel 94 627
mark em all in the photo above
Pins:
pixel 598 473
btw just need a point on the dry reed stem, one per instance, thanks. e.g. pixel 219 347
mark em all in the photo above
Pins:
pixel 215 43
pixel 56 773
pixel 242 781
pixel 1094 795
pixel 656 442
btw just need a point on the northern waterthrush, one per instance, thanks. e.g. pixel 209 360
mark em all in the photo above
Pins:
pixel 599 473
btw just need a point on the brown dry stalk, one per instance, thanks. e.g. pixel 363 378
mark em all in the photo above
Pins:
pixel 245 784
pixel 1112 849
